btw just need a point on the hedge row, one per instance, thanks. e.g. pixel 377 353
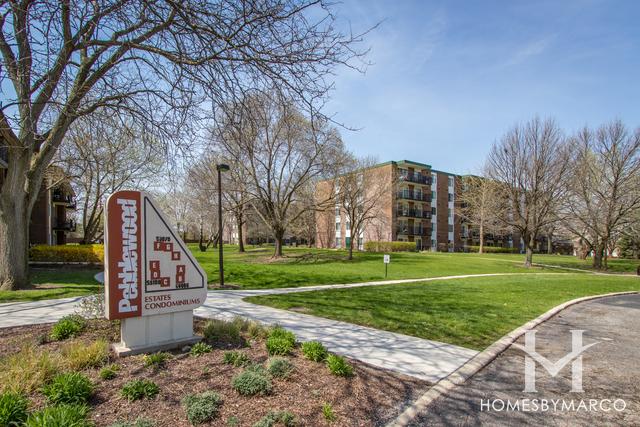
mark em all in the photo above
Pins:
pixel 67 253
pixel 378 246
pixel 492 249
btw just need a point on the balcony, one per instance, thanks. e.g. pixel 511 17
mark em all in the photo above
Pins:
pixel 415 177
pixel 414 231
pixel 58 197
pixel 65 225
pixel 414 195
pixel 413 213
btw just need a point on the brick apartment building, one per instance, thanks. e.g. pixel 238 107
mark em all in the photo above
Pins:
pixel 50 223
pixel 422 206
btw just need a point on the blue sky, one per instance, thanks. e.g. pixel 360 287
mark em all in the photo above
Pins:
pixel 450 77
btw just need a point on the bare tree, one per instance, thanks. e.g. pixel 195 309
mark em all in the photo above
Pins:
pixel 480 206
pixel 604 187
pixel 362 193
pixel 202 181
pixel 282 152
pixel 530 165
pixel 101 155
pixel 155 61
pixel 305 224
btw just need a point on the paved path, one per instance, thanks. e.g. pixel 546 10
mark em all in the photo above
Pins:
pixel 425 359
pixel 610 371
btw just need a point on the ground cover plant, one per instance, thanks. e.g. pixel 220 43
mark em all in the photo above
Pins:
pixel 202 407
pixel 298 386
pixel 471 312
pixel 314 350
pixel 67 327
pixel 13 409
pixel 72 388
pixel 280 341
pixel 140 389
pixel 339 366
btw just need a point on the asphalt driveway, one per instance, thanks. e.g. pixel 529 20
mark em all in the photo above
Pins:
pixel 611 375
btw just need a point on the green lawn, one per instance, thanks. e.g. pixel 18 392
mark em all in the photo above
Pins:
pixel 471 312
pixel 615 265
pixel 254 269
pixel 303 267
pixel 56 283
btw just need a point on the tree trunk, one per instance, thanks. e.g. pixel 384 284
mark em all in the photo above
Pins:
pixel 550 244
pixel 201 245
pixel 350 249
pixel 528 260
pixel 279 243
pixel 14 236
pixel 481 248
pixel 239 224
pixel 597 256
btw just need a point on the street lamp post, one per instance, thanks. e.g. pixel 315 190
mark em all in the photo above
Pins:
pixel 220 168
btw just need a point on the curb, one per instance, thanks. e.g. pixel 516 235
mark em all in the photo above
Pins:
pixel 482 359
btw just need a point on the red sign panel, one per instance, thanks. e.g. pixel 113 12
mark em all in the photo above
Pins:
pixel 123 255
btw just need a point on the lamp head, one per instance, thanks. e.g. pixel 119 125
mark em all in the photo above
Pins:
pixel 222 167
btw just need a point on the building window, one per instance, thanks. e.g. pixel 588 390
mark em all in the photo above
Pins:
pixel 449 213
pixel 433 243
pixel 337 211
pixel 360 243
pixel 450 228
pixel 450 197
pixel 348 225
pixel 338 242
pixel 450 181
pixel 337 226
pixel 433 210
pixel 433 195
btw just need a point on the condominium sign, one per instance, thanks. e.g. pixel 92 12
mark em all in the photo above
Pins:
pixel 148 268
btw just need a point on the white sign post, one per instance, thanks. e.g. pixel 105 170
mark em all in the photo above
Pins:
pixel 152 282
pixel 387 260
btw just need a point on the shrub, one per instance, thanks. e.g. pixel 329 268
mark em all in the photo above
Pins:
pixel 138 389
pixel 139 422
pixel 13 409
pixel 327 412
pixel 279 367
pixel 78 355
pixel 67 327
pixel 200 348
pixel 109 372
pixel 314 350
pixel 236 358
pixel 280 341
pixel 339 366
pixel 71 388
pixel 202 407
pixel 220 331
pixel 251 382
pixel 60 416
pixel 233 421
pixel 156 360
pixel 381 246
pixel 272 418
pixel 67 253
pixel 27 370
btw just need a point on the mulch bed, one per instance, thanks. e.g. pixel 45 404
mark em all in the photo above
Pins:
pixel 371 397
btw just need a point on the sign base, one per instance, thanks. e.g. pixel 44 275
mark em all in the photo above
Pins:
pixel 155 333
